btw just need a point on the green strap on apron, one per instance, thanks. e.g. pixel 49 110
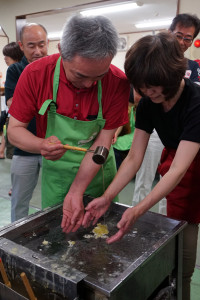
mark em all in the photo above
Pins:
pixel 56 77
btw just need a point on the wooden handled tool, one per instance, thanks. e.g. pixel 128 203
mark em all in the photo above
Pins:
pixel 27 286
pixel 100 153
pixel 68 147
pixel 4 275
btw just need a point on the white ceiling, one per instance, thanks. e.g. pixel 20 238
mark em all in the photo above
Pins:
pixel 123 21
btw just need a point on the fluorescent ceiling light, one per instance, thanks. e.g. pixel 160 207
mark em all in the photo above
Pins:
pixel 55 35
pixel 153 24
pixel 109 9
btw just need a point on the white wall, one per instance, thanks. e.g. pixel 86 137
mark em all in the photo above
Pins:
pixel 9 9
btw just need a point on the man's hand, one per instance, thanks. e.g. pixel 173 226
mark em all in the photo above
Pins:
pixel 73 212
pixel 124 225
pixel 52 148
pixel 9 102
pixel 95 209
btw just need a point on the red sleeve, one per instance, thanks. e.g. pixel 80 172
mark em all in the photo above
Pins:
pixel 23 106
pixel 115 98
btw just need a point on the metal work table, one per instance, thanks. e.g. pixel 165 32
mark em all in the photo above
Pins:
pixel 135 268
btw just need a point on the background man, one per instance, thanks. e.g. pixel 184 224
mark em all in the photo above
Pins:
pixel 186 27
pixel 25 166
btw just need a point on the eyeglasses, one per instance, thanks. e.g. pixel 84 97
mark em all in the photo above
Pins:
pixel 186 40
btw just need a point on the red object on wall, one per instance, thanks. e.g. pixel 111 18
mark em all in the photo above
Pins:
pixel 197 43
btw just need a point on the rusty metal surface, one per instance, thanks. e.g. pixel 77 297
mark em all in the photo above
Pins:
pixel 104 267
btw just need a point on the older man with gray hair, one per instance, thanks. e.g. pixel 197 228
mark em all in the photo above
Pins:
pixel 79 99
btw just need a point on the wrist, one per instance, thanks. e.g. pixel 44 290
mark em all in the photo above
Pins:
pixel 108 197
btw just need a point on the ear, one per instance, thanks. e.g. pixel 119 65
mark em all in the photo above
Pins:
pixel 59 48
pixel 21 45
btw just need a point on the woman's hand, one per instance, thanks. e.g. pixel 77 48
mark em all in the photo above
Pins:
pixel 124 225
pixel 94 210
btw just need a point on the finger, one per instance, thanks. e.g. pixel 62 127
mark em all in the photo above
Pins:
pixel 91 206
pixel 76 217
pixel 65 221
pixel 87 219
pixel 68 228
pixel 95 220
pixel 123 223
pixel 76 227
pixel 53 139
pixel 116 237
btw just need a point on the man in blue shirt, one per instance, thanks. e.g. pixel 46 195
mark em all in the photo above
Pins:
pixel 25 166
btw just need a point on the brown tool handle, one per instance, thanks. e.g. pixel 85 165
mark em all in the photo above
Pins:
pixel 27 286
pixel 74 148
pixel 4 275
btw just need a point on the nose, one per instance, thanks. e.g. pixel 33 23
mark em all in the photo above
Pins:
pixel 181 42
pixel 148 92
pixel 88 83
pixel 37 51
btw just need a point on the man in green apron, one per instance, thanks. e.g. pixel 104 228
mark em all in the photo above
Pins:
pixel 79 99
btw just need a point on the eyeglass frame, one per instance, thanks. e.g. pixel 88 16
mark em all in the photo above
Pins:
pixel 182 38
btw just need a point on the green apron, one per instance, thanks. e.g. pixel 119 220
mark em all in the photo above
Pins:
pixel 124 142
pixel 57 176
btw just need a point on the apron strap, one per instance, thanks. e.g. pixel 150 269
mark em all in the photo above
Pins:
pixel 100 113
pixel 48 102
pixel 45 105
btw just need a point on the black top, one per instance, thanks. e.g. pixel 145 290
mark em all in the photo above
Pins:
pixel 182 122
pixel 12 76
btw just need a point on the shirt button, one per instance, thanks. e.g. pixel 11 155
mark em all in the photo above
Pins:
pixel 75 118
pixel 76 104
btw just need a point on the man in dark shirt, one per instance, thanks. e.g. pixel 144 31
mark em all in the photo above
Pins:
pixel 25 166
pixel 186 27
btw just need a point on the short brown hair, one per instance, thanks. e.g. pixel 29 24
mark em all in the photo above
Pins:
pixel 13 50
pixel 156 60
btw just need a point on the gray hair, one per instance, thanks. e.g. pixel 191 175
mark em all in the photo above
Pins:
pixel 28 25
pixel 89 37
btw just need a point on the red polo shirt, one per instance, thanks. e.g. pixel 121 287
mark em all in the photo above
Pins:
pixel 35 85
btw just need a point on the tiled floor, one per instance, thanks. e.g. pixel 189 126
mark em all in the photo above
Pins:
pixel 125 197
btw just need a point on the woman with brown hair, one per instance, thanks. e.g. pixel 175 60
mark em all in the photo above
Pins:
pixel 12 54
pixel 155 65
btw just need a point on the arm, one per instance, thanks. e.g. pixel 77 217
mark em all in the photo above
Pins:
pixel 185 154
pixel 126 172
pixel 9 102
pixel 73 209
pixel 51 148
pixel 116 134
